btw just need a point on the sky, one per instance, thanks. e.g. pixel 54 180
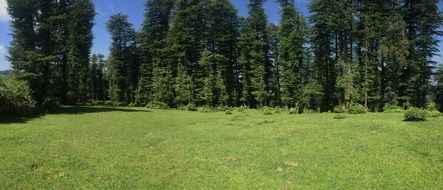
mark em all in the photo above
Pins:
pixel 135 10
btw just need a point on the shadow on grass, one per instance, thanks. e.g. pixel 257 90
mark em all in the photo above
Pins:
pixel 66 110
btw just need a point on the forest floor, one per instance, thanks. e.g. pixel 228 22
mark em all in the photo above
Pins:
pixel 131 148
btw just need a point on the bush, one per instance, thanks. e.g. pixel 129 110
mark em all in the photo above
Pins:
pixel 309 111
pixel 357 109
pixel 15 97
pixel 191 107
pixel 157 105
pixel 339 109
pixel 434 113
pixel 415 114
pixel 242 108
pixel 206 109
pixel 267 112
pixel 393 109
pixel 293 111
pixel 228 112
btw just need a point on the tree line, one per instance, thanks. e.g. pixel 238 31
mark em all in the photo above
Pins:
pixel 200 52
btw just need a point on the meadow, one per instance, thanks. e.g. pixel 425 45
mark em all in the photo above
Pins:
pixel 138 148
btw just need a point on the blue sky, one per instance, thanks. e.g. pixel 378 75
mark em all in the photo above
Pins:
pixel 135 10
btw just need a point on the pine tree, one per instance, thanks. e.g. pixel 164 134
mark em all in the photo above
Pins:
pixel 323 51
pixel 423 20
pixel 291 52
pixel 153 41
pixel 439 89
pixel 79 46
pixel 187 40
pixel 23 54
pixel 121 63
pixel 254 58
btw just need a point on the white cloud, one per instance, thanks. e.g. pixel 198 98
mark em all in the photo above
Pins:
pixel 2 49
pixel 4 17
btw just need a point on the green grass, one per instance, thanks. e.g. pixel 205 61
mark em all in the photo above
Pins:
pixel 127 148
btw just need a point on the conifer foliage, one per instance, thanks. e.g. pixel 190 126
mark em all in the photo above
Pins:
pixel 188 53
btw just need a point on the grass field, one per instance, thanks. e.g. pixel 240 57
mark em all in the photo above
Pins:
pixel 127 148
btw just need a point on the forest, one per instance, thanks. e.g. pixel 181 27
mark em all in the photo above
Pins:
pixel 373 53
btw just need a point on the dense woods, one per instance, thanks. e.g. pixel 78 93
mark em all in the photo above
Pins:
pixel 201 53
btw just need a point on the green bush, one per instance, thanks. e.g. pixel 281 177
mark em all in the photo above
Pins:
pixel 415 114
pixel 309 111
pixel 242 108
pixel 191 107
pixel 357 109
pixel 293 111
pixel 206 109
pixel 434 113
pixel 339 109
pixel 157 105
pixel 15 97
pixel 393 109
pixel 267 112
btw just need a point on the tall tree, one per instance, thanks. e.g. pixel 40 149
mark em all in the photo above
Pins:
pixel 423 20
pixel 187 41
pixel 439 89
pixel 121 88
pixel 254 58
pixel 79 45
pixel 291 53
pixel 154 77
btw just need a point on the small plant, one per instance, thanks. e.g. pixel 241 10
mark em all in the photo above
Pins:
pixel 357 109
pixel 242 108
pixel 339 109
pixel 309 111
pixel 340 116
pixel 228 112
pixel 222 108
pixel 157 105
pixel 415 114
pixel 277 110
pixel 293 111
pixel 191 107
pixel 434 113
pixel 267 112
pixel 205 109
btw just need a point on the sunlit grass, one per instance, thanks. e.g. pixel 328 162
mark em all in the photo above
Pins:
pixel 127 148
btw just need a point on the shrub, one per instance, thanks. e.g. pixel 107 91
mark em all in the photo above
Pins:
pixel 277 110
pixel 357 109
pixel 15 97
pixel 267 112
pixel 293 111
pixel 393 109
pixel 434 113
pixel 228 112
pixel 206 109
pixel 191 107
pixel 222 108
pixel 415 114
pixel 309 111
pixel 157 105
pixel 339 109
pixel 242 108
